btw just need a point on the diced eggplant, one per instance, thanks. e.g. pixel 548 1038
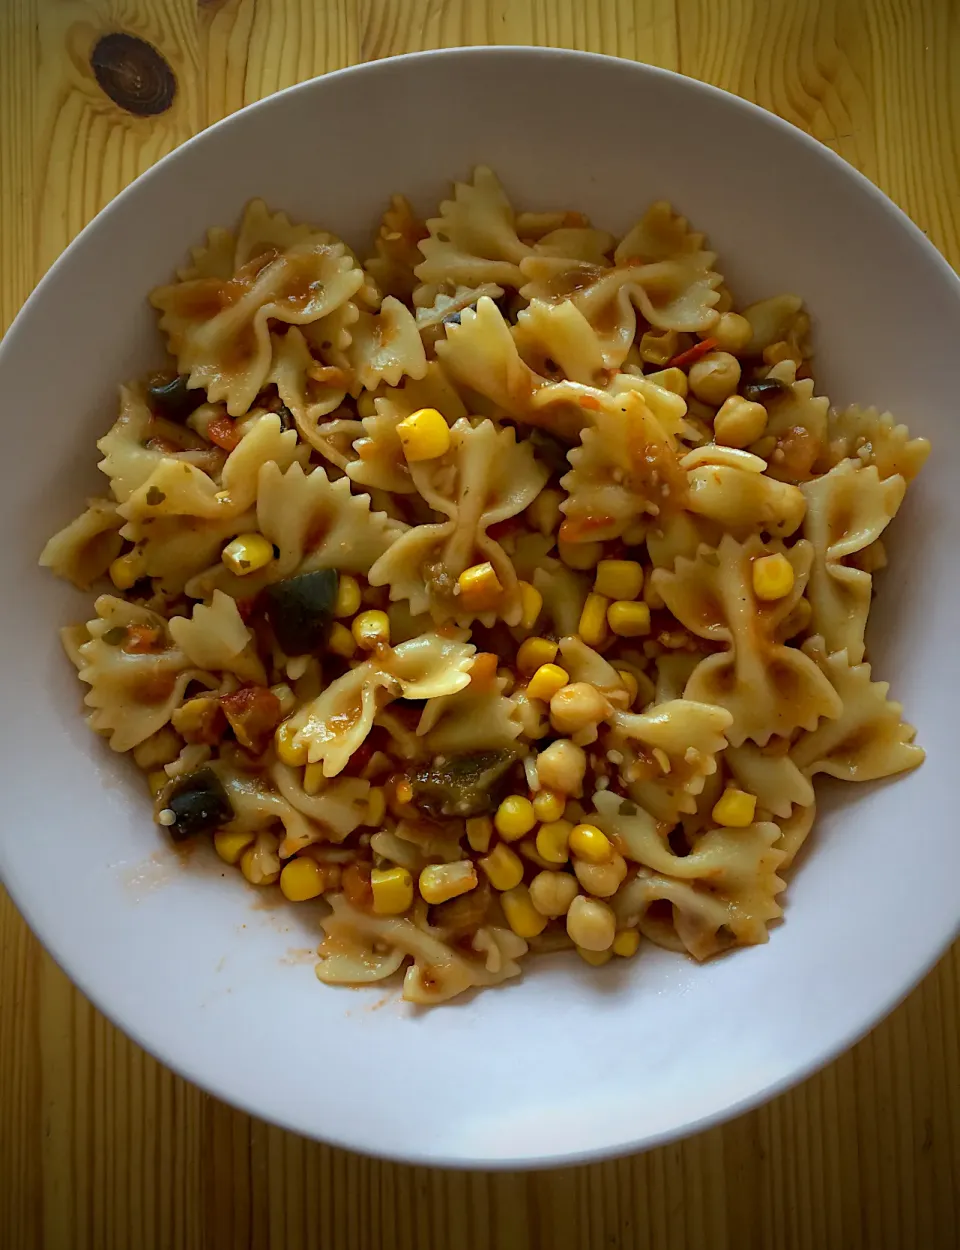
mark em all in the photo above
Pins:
pixel 300 609
pixel 763 390
pixel 463 915
pixel 198 802
pixel 171 398
pixel 287 421
pixel 463 785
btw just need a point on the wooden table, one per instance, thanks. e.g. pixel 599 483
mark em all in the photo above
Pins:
pixel 100 1147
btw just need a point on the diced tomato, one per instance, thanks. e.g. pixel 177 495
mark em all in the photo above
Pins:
pixel 500 530
pixel 355 881
pixel 359 759
pixel 254 713
pixel 330 375
pixel 142 640
pixel 576 529
pixel 245 608
pixel 692 354
pixel 224 433
pixel 484 670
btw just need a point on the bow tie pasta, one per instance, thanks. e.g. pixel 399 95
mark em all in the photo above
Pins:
pixel 506 593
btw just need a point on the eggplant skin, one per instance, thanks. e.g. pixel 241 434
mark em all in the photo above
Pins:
pixel 300 609
pixel 199 804
pixel 463 785
pixel 172 398
pixel 763 390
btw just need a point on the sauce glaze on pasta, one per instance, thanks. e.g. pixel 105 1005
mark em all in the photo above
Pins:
pixel 507 592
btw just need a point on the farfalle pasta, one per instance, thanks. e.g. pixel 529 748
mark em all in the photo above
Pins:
pixel 504 594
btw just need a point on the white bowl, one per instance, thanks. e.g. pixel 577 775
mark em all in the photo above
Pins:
pixel 569 1062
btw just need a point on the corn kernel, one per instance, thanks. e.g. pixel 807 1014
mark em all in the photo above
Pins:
pixel 480 588
pixel 514 818
pixel 596 959
pixel 552 839
pixel 672 379
pixel 533 652
pixel 546 681
pixel 522 917
pixel 340 641
pixel 629 620
pixel 230 846
pixel 348 596
pixel 376 807
pixel 392 890
pixel 301 879
pixel 593 620
pixel 735 808
pixel 773 577
pixel 424 435
pixel 626 943
pixel 503 867
pixel 247 553
pixel 651 596
pixel 402 791
pixel 293 755
pixel 777 353
pixel 579 555
pixel 313 778
pixel 548 805
pixel 589 843
pixel 371 630
pixel 531 601
pixel 124 571
pixel 630 683
pixel 619 579
pixel 479 833
pixel 439 882
pixel 156 780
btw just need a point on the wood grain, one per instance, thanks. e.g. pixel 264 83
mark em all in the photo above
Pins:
pixel 100 1147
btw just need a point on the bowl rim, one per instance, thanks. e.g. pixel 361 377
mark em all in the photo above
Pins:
pixel 64 957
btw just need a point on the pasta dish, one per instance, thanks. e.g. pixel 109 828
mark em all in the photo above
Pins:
pixel 506 591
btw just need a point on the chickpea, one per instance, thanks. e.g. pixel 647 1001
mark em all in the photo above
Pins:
pixel 714 377
pixel 576 706
pixel 552 893
pixel 739 422
pixel 601 880
pixel 732 333
pixel 561 767
pixel 591 924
